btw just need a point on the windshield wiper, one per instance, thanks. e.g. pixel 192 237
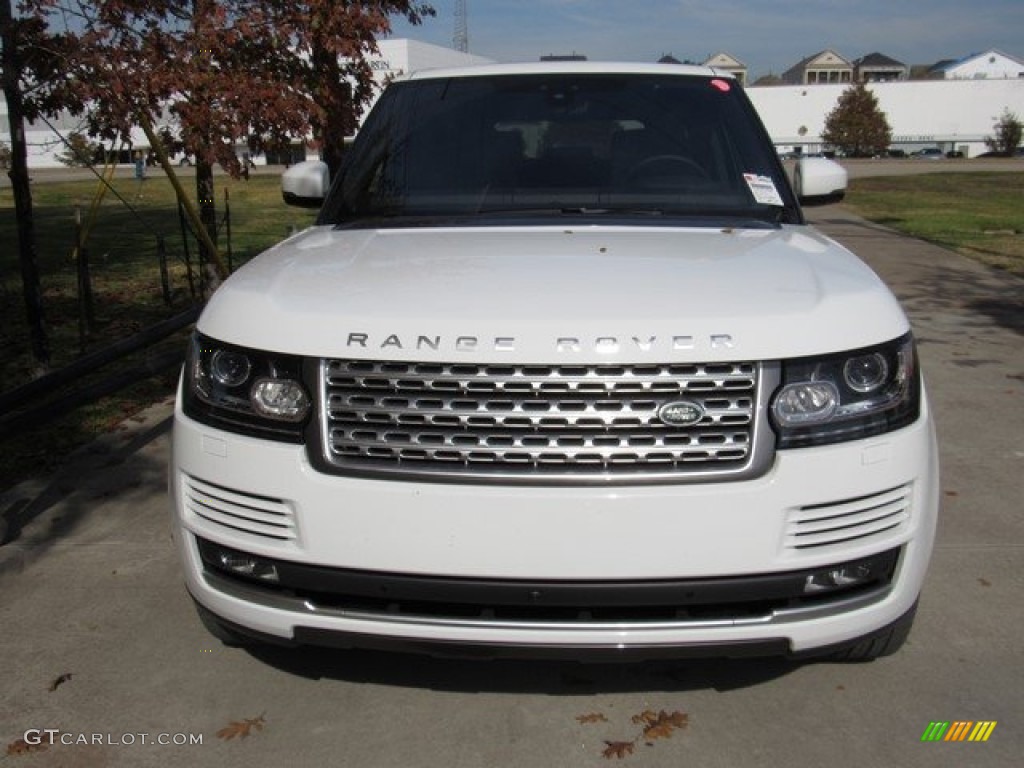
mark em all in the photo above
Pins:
pixel 770 214
pixel 569 210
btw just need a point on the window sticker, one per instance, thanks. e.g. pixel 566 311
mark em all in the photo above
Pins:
pixel 763 189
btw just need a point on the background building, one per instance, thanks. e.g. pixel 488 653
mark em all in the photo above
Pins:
pixel 980 66
pixel 949 114
pixel 402 56
pixel 878 68
pixel 822 67
pixel 729 63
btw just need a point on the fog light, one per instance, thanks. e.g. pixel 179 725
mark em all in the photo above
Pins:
pixel 280 399
pixel 249 566
pixel 842 577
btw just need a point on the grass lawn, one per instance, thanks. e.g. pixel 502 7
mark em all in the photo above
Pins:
pixel 123 259
pixel 980 215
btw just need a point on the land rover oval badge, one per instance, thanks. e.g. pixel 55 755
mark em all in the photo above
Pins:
pixel 681 413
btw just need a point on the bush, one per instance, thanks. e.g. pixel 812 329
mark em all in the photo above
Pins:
pixel 1008 131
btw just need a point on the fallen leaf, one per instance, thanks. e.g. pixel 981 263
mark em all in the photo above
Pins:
pixel 645 717
pixel 660 725
pixel 592 717
pixel 22 747
pixel 658 731
pixel 59 681
pixel 240 728
pixel 678 719
pixel 617 749
pixel 985 582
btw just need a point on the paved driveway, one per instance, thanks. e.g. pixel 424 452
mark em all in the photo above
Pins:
pixel 99 644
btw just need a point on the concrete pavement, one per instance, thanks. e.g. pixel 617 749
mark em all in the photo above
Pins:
pixel 91 589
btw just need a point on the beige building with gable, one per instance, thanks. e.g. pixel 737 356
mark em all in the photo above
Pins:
pixel 729 63
pixel 823 67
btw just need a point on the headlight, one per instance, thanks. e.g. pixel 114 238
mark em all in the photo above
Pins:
pixel 244 390
pixel 847 396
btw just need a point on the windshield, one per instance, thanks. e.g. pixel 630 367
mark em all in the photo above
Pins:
pixel 561 144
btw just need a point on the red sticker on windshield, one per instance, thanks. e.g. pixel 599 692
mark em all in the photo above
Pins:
pixel 721 85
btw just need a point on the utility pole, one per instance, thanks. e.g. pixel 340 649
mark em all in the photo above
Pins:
pixel 460 42
pixel 20 185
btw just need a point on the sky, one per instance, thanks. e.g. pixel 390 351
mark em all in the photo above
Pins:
pixel 768 36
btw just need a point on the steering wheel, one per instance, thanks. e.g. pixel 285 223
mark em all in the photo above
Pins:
pixel 677 164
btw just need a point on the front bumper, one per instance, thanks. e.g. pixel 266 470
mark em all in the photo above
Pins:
pixel 816 508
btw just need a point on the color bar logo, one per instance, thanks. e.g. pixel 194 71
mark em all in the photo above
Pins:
pixel 959 730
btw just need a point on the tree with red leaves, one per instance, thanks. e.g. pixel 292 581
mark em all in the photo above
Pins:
pixel 223 73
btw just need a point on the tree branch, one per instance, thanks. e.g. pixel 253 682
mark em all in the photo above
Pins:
pixel 190 210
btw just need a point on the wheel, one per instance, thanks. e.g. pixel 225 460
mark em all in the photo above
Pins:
pixel 883 642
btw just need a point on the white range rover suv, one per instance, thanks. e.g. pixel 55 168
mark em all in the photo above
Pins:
pixel 560 369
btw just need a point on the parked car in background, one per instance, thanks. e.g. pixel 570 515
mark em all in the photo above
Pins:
pixel 1019 152
pixel 818 180
pixel 928 153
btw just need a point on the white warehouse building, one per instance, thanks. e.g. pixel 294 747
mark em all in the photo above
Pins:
pixel 950 114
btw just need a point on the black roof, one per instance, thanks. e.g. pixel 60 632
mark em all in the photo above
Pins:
pixel 878 60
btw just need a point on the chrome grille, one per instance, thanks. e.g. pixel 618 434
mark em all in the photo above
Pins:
pixel 539 422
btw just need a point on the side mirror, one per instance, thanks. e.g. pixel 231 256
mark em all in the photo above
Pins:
pixel 305 184
pixel 818 180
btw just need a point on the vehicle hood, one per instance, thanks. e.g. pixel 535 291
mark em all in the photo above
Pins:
pixel 555 295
